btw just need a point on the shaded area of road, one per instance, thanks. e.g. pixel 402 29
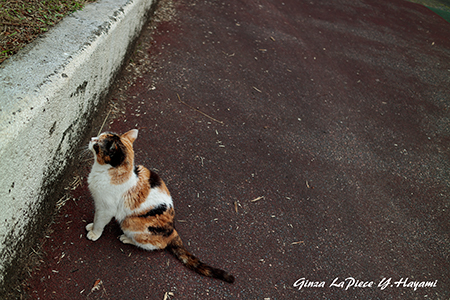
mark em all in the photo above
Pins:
pixel 299 140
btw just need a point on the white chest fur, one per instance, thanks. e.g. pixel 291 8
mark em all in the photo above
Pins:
pixel 107 196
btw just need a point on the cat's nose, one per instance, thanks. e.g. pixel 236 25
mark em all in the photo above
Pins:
pixel 94 140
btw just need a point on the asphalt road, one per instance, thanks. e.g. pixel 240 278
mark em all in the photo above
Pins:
pixel 299 139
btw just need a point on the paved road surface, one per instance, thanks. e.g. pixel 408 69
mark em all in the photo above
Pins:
pixel 334 114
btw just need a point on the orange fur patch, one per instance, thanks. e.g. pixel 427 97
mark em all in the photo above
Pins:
pixel 134 224
pixel 137 195
pixel 163 219
pixel 153 239
pixel 163 222
pixel 121 174
pixel 137 223
pixel 100 160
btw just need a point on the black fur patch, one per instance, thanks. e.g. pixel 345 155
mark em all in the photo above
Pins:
pixel 96 148
pixel 164 231
pixel 159 210
pixel 114 149
pixel 136 170
pixel 154 180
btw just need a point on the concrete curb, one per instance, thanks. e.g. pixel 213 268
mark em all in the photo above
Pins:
pixel 48 94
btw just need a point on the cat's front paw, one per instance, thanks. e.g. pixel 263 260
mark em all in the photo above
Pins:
pixel 89 226
pixel 91 234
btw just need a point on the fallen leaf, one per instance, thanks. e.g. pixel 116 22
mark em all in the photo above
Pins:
pixel 97 285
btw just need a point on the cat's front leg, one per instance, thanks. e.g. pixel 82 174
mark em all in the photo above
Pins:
pixel 95 229
pixel 93 235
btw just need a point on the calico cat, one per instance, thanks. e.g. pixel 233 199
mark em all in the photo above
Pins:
pixel 138 199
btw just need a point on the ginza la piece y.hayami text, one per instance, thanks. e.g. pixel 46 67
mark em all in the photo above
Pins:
pixel 351 282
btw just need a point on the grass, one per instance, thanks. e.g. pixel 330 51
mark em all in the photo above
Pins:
pixel 441 7
pixel 440 4
pixel 21 21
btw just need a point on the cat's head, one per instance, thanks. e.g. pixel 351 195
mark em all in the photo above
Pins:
pixel 113 149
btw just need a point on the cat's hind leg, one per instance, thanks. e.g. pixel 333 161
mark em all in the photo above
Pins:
pixel 126 240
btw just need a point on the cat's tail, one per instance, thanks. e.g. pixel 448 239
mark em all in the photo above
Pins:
pixel 177 248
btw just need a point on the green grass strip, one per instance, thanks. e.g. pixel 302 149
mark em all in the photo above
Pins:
pixel 444 14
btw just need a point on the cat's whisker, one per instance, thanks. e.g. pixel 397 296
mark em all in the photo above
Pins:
pixel 83 148
pixel 84 152
pixel 86 157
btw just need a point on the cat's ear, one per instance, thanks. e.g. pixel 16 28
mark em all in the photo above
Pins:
pixel 131 135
